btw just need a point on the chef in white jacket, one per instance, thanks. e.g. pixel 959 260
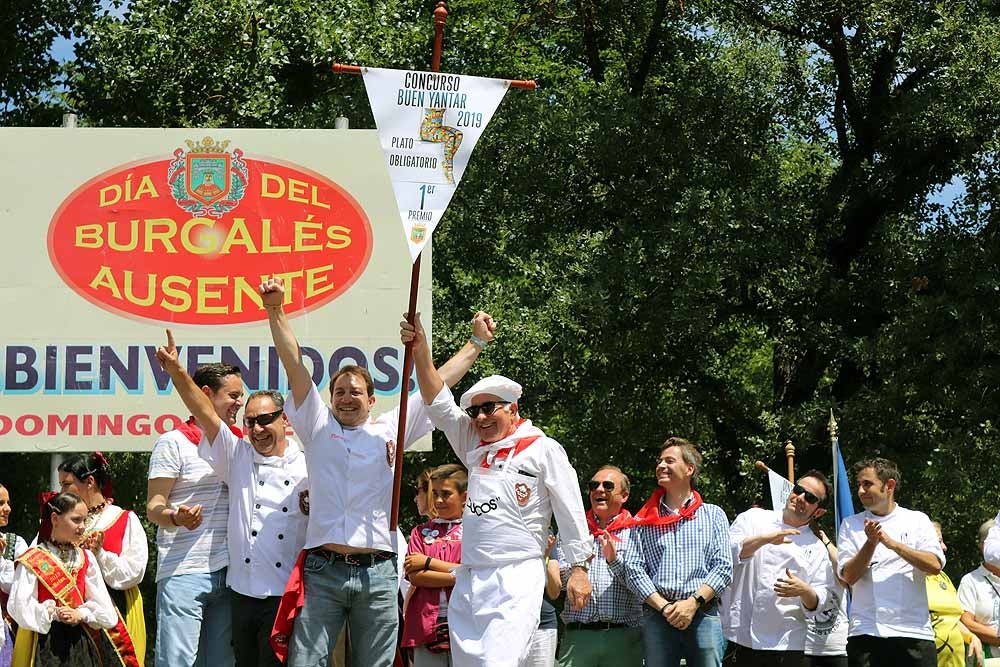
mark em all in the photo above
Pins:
pixel 518 478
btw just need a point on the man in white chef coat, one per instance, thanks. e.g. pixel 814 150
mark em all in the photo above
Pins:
pixel 780 572
pixel 518 478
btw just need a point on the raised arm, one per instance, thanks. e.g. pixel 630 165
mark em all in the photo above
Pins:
pixel 272 294
pixel 431 380
pixel 194 398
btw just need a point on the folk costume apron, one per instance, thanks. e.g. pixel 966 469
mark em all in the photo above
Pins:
pixel 128 602
pixel 68 645
pixel 494 606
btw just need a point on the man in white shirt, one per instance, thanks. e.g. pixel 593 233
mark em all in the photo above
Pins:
pixel 518 478
pixel 979 595
pixel 780 573
pixel 349 572
pixel 266 528
pixel 885 554
pixel 190 505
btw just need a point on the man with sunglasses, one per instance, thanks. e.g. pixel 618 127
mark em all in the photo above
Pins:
pixel 885 553
pixel 266 527
pixel 518 478
pixel 606 630
pixel 780 575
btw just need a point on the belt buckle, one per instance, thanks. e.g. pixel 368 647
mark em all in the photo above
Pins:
pixel 352 559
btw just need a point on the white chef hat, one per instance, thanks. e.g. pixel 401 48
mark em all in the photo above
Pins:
pixel 497 385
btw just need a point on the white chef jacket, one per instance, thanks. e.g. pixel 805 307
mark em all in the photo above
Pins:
pixel 545 468
pixel 753 615
pixel 350 505
pixel 125 570
pixel 266 528
pixel 890 598
pixel 98 611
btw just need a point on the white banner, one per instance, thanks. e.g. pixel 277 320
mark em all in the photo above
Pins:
pixel 781 488
pixel 428 124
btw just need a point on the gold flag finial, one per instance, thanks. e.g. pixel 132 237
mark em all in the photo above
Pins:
pixel 832 425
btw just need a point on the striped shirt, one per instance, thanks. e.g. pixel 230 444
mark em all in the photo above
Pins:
pixel 611 601
pixel 676 559
pixel 179 550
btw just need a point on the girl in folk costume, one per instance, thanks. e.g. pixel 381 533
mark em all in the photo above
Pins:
pixel 59 599
pixel 114 536
pixel 11 546
pixel 435 550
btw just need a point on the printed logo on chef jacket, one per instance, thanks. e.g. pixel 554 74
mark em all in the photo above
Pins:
pixel 523 493
pixel 390 452
pixel 481 509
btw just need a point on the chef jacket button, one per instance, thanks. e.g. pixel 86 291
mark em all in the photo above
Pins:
pixel 280 536
pixel 247 560
pixel 253 533
pixel 277 564
pixel 283 509
pixel 287 482
pixel 261 482
pixel 257 505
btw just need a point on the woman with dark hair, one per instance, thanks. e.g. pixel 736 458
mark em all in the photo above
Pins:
pixel 116 538
pixel 11 546
pixel 59 599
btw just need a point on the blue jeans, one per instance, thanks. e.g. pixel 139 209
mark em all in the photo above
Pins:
pixel 193 621
pixel 701 644
pixel 335 592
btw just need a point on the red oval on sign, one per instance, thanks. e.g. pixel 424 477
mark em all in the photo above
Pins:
pixel 189 239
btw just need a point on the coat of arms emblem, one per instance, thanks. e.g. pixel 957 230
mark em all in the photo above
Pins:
pixel 207 179
pixel 523 493
pixel 418 233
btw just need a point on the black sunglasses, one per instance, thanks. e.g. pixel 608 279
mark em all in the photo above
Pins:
pixel 607 484
pixel 263 419
pixel 487 408
pixel 810 497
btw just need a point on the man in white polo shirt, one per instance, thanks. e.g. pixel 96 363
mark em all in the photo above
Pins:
pixel 266 528
pixel 349 572
pixel 885 553
pixel 780 575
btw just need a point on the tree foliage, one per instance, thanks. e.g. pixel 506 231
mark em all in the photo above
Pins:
pixel 716 218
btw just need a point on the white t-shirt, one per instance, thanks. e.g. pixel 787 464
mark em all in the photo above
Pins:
pixel 890 598
pixel 351 470
pixel 753 615
pixel 179 550
pixel 979 594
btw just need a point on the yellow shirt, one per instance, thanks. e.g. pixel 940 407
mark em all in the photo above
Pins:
pixel 942 599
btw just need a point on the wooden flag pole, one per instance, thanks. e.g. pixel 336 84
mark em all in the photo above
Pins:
pixel 440 18
pixel 790 455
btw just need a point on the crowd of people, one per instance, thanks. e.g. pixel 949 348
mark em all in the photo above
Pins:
pixel 268 547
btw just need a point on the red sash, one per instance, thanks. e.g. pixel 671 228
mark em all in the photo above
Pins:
pixel 55 583
pixel 192 431
pixel 511 451
pixel 292 601
pixel 114 535
pixel 649 514
pixel 595 530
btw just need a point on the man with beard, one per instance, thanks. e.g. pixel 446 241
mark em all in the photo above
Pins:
pixel 606 630
pixel 518 478
pixel 885 553
pixel 190 505
pixel 780 572
pixel 266 528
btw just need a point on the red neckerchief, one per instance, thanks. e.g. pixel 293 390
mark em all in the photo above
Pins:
pixel 516 448
pixel 192 432
pixel 597 531
pixel 649 514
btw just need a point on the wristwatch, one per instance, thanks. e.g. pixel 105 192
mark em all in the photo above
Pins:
pixel 699 599
pixel 583 565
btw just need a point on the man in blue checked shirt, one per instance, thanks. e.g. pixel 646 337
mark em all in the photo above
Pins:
pixel 607 628
pixel 678 561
